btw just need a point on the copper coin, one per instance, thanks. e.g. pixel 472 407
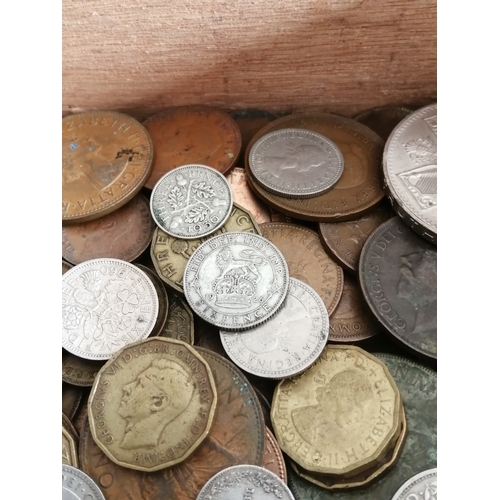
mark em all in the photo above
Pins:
pixel 360 187
pixel 80 416
pixel 79 371
pixel 273 457
pixel 352 321
pixel 107 158
pixel 250 121
pixel 398 277
pixel 383 119
pixel 307 261
pixel 236 437
pixel 71 398
pixel 343 241
pixel 180 321
pixel 191 135
pixel 123 234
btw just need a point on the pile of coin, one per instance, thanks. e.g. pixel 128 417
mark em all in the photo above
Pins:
pixel 212 300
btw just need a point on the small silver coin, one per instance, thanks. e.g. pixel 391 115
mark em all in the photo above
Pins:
pixel 289 342
pixel 410 171
pixel 296 163
pixel 421 486
pixel 236 280
pixel 191 201
pixel 76 485
pixel 106 304
pixel 245 482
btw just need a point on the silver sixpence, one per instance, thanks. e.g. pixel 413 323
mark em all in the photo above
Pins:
pixel 422 486
pixel 106 304
pixel 191 201
pixel 236 280
pixel 296 163
pixel 245 482
pixel 289 342
pixel 76 485
pixel 410 171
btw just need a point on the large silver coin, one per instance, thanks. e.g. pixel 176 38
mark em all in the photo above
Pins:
pixel 289 342
pixel 245 482
pixel 106 304
pixel 296 163
pixel 191 201
pixel 76 485
pixel 422 486
pixel 236 280
pixel 410 171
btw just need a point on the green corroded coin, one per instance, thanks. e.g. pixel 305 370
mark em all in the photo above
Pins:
pixel 418 387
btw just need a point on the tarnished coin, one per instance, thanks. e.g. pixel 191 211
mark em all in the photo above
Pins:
pixel 71 399
pixel 107 304
pixel 66 266
pixel 123 234
pixel 273 458
pixel 236 437
pixel 343 241
pixel 307 261
pixel 383 119
pixel 245 197
pixel 170 254
pixel 246 482
pixel 341 415
pixel 69 443
pixel 236 280
pixel 152 404
pixel 76 485
pixel 192 134
pixel 295 163
pixel 192 201
pixel 180 321
pixel 250 121
pixel 398 277
pixel 421 486
pixel 360 187
pixel 286 344
pixel 418 387
pixel 352 321
pixel 106 159
pixel 410 171
pixel 79 371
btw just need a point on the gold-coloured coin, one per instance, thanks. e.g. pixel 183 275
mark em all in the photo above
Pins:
pixel 170 254
pixel 341 415
pixel 152 404
pixel 106 159
pixel 69 443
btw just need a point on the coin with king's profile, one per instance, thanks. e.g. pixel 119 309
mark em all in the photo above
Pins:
pixel 152 404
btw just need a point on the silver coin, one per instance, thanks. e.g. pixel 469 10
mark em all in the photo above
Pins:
pixel 191 201
pixel 296 163
pixel 236 280
pixel 106 304
pixel 289 342
pixel 422 486
pixel 246 482
pixel 76 485
pixel 410 171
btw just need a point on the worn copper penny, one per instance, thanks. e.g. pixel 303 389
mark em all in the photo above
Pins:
pixel 79 371
pixel 106 159
pixel 81 414
pixel 123 234
pixel 192 134
pixel 170 254
pixel 360 187
pixel 307 261
pixel 236 437
pixel 343 241
pixel 398 277
pixel 352 321
pixel 383 119
pixel 71 398
pixel 273 457
pixel 180 321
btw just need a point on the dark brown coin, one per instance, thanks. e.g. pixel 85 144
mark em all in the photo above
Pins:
pixel 273 457
pixel 360 187
pixel 123 234
pixel 71 398
pixel 180 321
pixel 383 119
pixel 163 303
pixel 80 416
pixel 79 371
pixel 66 266
pixel 106 159
pixel 398 277
pixel 307 261
pixel 236 437
pixel 343 241
pixel 192 135
pixel 208 337
pixel 250 121
pixel 352 321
